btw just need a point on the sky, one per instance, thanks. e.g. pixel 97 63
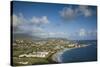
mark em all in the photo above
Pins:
pixel 75 22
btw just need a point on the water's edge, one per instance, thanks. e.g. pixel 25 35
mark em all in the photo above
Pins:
pixel 57 57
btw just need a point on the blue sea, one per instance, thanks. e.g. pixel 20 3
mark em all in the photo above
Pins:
pixel 88 53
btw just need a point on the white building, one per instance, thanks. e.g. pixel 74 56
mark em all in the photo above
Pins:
pixel 23 62
pixel 35 54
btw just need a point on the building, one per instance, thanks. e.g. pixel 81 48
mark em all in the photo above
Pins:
pixel 35 54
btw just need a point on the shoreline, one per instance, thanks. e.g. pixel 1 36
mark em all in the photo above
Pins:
pixel 57 56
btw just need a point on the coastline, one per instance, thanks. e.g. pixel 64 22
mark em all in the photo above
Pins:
pixel 57 56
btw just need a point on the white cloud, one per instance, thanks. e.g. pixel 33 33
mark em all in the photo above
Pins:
pixel 44 19
pixel 37 30
pixel 92 32
pixel 31 30
pixel 82 32
pixel 57 33
pixel 30 26
pixel 85 10
pixel 39 20
pixel 69 13
pixel 18 19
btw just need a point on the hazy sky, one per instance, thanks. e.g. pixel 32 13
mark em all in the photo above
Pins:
pixel 55 20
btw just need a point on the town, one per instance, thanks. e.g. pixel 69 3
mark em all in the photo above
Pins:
pixel 39 51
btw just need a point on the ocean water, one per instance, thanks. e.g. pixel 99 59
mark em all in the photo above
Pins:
pixel 88 53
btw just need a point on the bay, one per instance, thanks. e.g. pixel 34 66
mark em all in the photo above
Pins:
pixel 88 53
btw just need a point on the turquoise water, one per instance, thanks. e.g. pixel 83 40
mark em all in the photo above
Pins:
pixel 88 53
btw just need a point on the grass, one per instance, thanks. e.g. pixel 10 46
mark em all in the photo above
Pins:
pixel 31 61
